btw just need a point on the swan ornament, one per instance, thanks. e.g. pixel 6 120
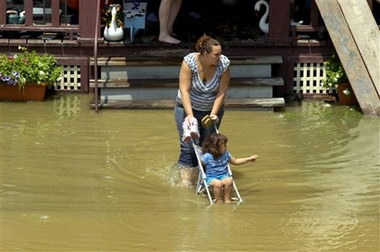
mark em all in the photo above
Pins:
pixel 113 33
pixel 263 24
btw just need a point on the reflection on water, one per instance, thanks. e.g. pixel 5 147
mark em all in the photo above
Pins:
pixel 73 180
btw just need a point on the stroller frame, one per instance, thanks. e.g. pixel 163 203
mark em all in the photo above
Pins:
pixel 201 183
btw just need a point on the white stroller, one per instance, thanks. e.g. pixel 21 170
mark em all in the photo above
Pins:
pixel 201 184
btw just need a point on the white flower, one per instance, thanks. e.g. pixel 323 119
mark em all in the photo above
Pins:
pixel 347 92
pixel 41 73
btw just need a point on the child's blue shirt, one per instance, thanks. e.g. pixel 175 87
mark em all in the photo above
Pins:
pixel 216 166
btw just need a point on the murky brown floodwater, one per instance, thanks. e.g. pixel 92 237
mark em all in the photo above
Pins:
pixel 73 180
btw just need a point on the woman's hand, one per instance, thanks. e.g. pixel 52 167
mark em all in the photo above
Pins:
pixel 214 118
pixel 189 118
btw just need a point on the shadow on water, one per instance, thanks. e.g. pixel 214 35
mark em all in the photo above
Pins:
pixel 73 180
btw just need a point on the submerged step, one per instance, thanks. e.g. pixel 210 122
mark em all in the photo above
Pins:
pixel 167 104
pixel 149 83
pixel 170 93
pixel 170 71
pixel 168 88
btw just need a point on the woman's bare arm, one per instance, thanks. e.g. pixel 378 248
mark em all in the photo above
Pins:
pixel 185 86
pixel 223 87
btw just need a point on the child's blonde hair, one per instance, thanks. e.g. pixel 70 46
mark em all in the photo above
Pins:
pixel 213 143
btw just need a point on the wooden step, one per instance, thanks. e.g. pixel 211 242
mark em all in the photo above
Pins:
pixel 172 72
pixel 173 83
pixel 176 61
pixel 167 104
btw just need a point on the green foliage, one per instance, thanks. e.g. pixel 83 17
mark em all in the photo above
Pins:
pixel 107 15
pixel 334 72
pixel 29 67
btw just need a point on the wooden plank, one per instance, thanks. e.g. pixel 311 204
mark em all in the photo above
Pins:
pixel 36 42
pixel 55 12
pixel 314 14
pixel 123 61
pixel 71 43
pixel 279 16
pixel 53 42
pixel 87 18
pixel 254 103
pixel 165 83
pixel 359 15
pixel 39 28
pixel 3 9
pixel 257 81
pixel 28 5
pixel 166 104
pixel 350 56
pixel 17 42
pixel 4 41
pixel 257 60
pixel 164 61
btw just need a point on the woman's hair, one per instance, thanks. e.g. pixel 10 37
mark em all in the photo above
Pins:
pixel 213 143
pixel 205 44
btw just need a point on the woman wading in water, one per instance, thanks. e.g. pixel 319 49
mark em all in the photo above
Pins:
pixel 203 82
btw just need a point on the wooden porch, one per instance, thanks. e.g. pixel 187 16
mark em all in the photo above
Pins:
pixel 74 44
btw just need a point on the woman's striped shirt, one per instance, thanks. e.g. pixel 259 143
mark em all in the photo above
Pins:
pixel 203 94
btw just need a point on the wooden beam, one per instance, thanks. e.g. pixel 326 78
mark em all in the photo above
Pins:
pixel 367 40
pixel 314 14
pixel 173 83
pixel 28 5
pixel 350 56
pixel 279 18
pixel 55 13
pixel 87 18
pixel 40 28
pixel 3 9
pixel 148 61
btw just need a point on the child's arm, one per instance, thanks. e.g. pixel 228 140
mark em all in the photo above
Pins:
pixel 240 161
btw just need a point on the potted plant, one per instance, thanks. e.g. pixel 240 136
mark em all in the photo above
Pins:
pixel 336 78
pixel 26 73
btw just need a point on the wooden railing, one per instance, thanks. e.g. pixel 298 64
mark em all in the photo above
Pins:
pixel 84 31
pixel 280 30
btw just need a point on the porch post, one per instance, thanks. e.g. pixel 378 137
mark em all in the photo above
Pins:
pixel 279 20
pixel 28 5
pixel 55 13
pixel 314 15
pixel 87 18
pixel 3 9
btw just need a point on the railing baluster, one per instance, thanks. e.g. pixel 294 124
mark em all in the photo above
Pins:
pixel 3 9
pixel 28 4
pixel 314 14
pixel 55 13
